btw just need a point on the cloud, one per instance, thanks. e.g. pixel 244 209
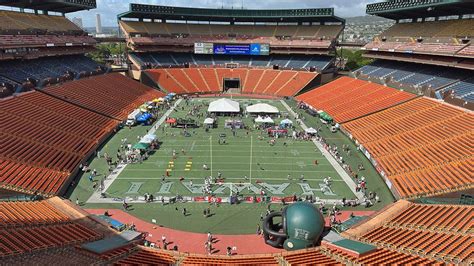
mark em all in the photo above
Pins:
pixel 109 9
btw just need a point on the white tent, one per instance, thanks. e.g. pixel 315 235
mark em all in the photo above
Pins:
pixel 148 138
pixel 268 120
pixel 286 122
pixel 311 130
pixel 259 119
pixel 208 121
pixel 224 106
pixel 262 108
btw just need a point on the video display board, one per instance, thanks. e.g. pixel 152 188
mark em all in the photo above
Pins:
pixel 232 49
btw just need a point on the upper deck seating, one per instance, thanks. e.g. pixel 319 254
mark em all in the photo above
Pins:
pixel 414 75
pixel 283 61
pixel 327 32
pixel 462 89
pixel 18 22
pixel 43 68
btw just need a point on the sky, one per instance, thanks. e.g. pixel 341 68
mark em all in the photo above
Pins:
pixel 108 9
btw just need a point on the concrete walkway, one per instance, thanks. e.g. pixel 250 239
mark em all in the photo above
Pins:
pixel 95 198
pixel 347 179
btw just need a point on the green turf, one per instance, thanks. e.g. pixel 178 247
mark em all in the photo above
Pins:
pixel 233 160
pixel 242 155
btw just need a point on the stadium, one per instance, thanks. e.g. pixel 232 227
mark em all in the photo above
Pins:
pixel 237 137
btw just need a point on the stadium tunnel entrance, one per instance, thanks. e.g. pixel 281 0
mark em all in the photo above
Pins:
pixel 231 85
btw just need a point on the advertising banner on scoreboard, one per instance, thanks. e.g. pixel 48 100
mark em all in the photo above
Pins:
pixel 232 49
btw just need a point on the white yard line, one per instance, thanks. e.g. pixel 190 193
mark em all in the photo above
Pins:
pixel 227 178
pixel 350 183
pixel 251 157
pixel 210 148
pixel 113 176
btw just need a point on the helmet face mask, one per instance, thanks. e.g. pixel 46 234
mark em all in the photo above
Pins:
pixel 300 227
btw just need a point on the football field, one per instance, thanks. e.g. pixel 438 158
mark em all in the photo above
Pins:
pixel 246 162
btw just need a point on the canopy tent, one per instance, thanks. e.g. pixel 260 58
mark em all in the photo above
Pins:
pixel 141 146
pixel 311 130
pixel 262 108
pixel 148 138
pixel 325 116
pixel 268 120
pixel 224 106
pixel 208 121
pixel 171 120
pixel 259 119
pixel 286 122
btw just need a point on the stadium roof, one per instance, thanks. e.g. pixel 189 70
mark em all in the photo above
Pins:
pixel 408 9
pixel 141 11
pixel 62 6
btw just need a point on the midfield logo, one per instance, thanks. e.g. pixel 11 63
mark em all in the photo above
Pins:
pixel 225 188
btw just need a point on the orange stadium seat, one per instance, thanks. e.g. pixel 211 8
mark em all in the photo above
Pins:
pixel 414 145
pixel 46 139
pixel 36 225
pixel 253 81
pixel 148 256
pixel 347 98
pixel 309 257
pixel 113 95
pixel 195 259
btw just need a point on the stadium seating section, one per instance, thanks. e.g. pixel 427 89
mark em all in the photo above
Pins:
pixel 283 61
pixel 253 81
pixel 160 29
pixel 380 256
pixel 117 97
pixel 27 22
pixel 422 146
pixel 414 75
pixel 45 139
pixel 444 37
pixel 435 231
pixel 348 98
pixel 43 68
pixel 462 89
pixel 148 33
pixel 148 256
pixel 195 259
pixel 32 226
pixel 28 35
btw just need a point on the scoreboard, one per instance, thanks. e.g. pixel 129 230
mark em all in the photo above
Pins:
pixel 232 49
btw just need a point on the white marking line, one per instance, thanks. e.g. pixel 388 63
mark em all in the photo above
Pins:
pixel 227 178
pixel 228 170
pixel 298 163
pixel 112 177
pixel 246 156
pixel 251 157
pixel 350 183
pixel 210 148
pixel 192 146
